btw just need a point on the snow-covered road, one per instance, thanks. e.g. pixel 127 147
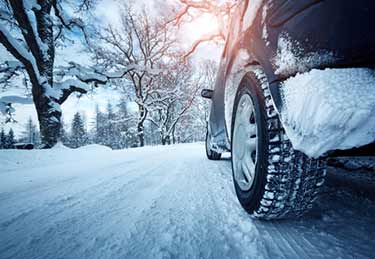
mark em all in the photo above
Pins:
pixel 160 202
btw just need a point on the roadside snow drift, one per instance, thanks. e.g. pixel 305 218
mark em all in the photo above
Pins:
pixel 329 109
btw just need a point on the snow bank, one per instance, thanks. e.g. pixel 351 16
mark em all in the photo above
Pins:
pixel 60 145
pixel 329 109
pixel 95 147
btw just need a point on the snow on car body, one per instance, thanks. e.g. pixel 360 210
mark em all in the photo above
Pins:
pixel 308 69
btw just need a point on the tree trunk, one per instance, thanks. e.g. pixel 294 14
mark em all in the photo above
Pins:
pixel 141 134
pixel 165 140
pixel 49 117
pixel 140 126
pixel 174 135
pixel 168 140
pixel 49 112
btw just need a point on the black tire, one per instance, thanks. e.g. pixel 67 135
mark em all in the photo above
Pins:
pixel 286 182
pixel 211 154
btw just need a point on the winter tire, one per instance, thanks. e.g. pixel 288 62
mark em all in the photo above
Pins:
pixel 211 154
pixel 272 180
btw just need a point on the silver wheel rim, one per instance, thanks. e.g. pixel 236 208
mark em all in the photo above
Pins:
pixel 245 144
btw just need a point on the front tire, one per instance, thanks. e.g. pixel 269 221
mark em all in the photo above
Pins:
pixel 211 154
pixel 272 180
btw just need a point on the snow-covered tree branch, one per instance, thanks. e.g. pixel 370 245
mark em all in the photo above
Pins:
pixel 28 30
pixel 140 47
pixel 191 10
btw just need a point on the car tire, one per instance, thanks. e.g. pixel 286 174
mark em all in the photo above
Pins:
pixel 211 154
pixel 285 182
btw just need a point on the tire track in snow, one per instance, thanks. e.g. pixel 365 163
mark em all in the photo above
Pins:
pixel 172 204
pixel 56 209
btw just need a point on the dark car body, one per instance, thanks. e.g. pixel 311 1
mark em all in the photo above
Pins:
pixel 340 31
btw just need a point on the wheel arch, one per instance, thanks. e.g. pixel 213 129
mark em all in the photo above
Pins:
pixel 240 69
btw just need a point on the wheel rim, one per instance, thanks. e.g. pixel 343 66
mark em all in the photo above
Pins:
pixel 245 144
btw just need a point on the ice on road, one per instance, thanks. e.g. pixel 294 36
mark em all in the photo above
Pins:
pixel 159 202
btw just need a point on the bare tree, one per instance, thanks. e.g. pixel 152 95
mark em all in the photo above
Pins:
pixel 29 30
pixel 192 126
pixel 180 88
pixel 189 10
pixel 144 45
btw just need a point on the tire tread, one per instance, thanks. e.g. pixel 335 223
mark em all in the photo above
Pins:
pixel 293 180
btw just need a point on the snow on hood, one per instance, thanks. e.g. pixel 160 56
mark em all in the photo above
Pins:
pixel 329 109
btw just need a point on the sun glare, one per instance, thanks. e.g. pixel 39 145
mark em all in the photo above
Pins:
pixel 203 25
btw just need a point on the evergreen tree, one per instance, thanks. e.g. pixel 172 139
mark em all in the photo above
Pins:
pixel 128 126
pixel 10 140
pixel 30 135
pixel 2 139
pixel 64 138
pixel 99 127
pixel 112 134
pixel 79 136
pixel 109 126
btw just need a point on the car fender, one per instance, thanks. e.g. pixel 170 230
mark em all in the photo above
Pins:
pixel 242 65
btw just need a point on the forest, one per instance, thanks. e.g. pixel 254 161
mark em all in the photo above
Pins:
pixel 141 56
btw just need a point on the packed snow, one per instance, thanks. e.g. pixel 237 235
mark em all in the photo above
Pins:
pixel 159 202
pixel 290 57
pixel 329 109
pixel 264 24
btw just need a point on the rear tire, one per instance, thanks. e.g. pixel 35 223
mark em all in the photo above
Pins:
pixel 211 154
pixel 285 182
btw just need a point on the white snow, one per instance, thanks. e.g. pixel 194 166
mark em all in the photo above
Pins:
pixel 329 109
pixel 4 100
pixel 158 202
pixel 264 24
pixel 250 13
pixel 20 48
pixel 30 5
pixel 290 57
pixel 16 99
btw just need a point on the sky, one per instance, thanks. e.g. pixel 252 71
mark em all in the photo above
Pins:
pixel 107 12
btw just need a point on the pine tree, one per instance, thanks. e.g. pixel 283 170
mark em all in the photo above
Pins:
pixel 109 127
pixel 99 127
pixel 2 139
pixel 10 140
pixel 79 136
pixel 64 138
pixel 30 135
pixel 126 126
pixel 112 135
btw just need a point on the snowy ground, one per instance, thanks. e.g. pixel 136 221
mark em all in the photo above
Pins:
pixel 162 202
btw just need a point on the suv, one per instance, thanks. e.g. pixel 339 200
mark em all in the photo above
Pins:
pixel 296 84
